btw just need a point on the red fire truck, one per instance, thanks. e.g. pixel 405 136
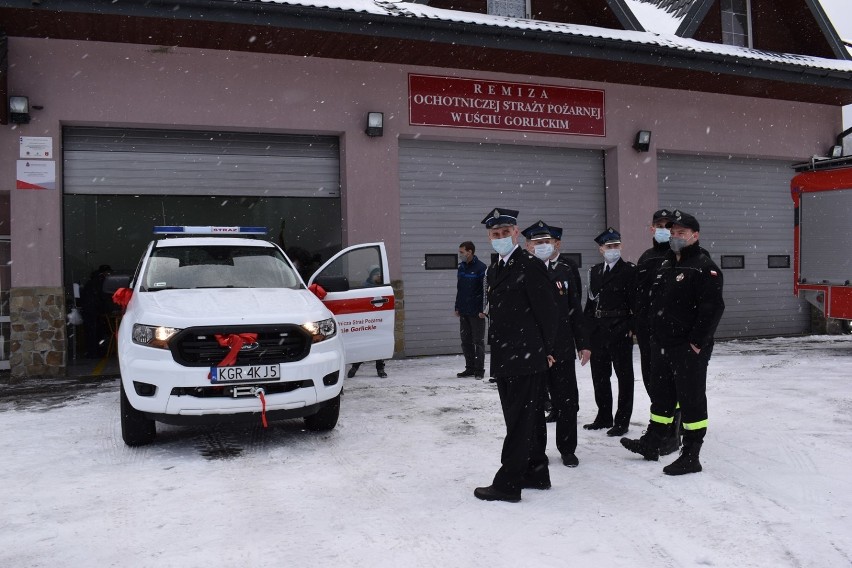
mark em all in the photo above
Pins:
pixel 822 253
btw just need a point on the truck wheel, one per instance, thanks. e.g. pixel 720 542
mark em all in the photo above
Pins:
pixel 326 418
pixel 136 428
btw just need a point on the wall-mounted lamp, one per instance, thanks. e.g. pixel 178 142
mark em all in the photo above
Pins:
pixel 643 141
pixel 836 151
pixel 375 123
pixel 19 110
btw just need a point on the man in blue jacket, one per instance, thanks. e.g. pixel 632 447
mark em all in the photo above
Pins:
pixel 469 305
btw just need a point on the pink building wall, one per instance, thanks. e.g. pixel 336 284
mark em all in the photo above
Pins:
pixel 98 84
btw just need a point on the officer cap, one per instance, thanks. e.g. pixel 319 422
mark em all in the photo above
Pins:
pixel 538 230
pixel 662 214
pixel 556 232
pixel 684 220
pixel 500 217
pixel 608 236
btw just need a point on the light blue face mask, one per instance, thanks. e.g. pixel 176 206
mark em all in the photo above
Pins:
pixel 662 235
pixel 503 246
pixel 544 251
pixel 611 255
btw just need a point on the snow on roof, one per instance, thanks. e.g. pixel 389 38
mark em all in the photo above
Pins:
pixel 398 8
pixel 654 18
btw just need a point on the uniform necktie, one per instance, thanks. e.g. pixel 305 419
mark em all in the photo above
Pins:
pixel 606 270
pixel 501 264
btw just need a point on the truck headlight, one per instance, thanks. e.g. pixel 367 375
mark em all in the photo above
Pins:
pixel 321 330
pixel 153 335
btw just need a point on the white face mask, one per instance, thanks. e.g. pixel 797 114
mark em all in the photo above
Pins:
pixel 503 246
pixel 611 255
pixel 543 251
pixel 662 235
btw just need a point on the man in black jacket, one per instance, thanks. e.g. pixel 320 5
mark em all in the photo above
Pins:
pixel 469 304
pixel 686 306
pixel 646 270
pixel 544 242
pixel 521 332
pixel 609 316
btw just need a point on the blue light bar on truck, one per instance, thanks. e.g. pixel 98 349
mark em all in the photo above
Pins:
pixel 189 230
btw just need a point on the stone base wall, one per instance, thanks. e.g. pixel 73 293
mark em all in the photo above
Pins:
pixel 38 343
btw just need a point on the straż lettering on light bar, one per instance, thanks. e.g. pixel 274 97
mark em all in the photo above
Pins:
pixel 210 230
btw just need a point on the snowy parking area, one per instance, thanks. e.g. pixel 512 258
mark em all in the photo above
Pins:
pixel 393 484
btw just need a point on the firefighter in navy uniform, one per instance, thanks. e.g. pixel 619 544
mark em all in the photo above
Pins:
pixel 545 241
pixel 646 269
pixel 686 306
pixel 609 317
pixel 522 334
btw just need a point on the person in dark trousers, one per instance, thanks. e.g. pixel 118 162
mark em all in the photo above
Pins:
pixel 686 306
pixel 609 316
pixel 468 308
pixel 373 279
pixel 646 270
pixel 522 335
pixel 95 306
pixel 545 241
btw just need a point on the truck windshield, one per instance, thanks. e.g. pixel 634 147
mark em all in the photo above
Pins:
pixel 187 267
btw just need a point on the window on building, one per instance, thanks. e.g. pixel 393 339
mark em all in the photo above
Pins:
pixel 736 23
pixel 509 8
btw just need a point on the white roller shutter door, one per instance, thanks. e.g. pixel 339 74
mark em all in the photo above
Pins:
pixel 745 210
pixel 447 188
pixel 118 161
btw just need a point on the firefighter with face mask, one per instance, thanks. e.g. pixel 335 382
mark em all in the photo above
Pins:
pixel 609 316
pixel 686 306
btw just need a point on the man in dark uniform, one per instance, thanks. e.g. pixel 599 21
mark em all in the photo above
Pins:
pixel 646 269
pixel 470 291
pixel 686 306
pixel 521 333
pixel 609 316
pixel 544 241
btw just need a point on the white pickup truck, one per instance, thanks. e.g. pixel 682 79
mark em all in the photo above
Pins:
pixel 223 328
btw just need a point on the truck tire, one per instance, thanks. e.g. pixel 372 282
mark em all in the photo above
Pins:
pixel 136 428
pixel 326 418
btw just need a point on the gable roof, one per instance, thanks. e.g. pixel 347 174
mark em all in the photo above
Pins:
pixel 415 34
pixel 797 26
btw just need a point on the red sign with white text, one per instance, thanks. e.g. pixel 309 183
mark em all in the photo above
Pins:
pixel 501 105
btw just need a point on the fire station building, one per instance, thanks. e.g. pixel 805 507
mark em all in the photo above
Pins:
pixel 118 116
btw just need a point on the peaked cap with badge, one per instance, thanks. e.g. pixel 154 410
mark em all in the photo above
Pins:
pixel 538 230
pixel 610 236
pixel 500 217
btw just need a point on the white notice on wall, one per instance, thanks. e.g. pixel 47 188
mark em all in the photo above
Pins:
pixel 36 146
pixel 36 174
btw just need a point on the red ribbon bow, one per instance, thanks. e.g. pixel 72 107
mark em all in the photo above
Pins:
pixel 235 341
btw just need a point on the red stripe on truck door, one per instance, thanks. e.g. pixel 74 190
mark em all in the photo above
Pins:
pixel 358 305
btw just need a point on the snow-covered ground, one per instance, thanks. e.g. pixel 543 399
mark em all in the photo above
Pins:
pixel 393 484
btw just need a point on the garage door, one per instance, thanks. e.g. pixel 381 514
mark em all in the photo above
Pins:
pixel 118 161
pixel 447 188
pixel 746 217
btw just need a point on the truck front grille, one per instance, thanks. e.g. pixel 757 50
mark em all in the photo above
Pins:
pixel 197 346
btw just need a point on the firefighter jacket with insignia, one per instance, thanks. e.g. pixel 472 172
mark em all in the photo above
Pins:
pixel 571 333
pixel 686 299
pixel 522 319
pixel 611 300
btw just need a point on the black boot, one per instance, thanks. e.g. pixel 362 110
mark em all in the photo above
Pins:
pixel 352 370
pixel 672 442
pixel 380 369
pixel 648 446
pixel 687 462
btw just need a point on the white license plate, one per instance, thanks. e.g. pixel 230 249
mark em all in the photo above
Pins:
pixel 253 373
